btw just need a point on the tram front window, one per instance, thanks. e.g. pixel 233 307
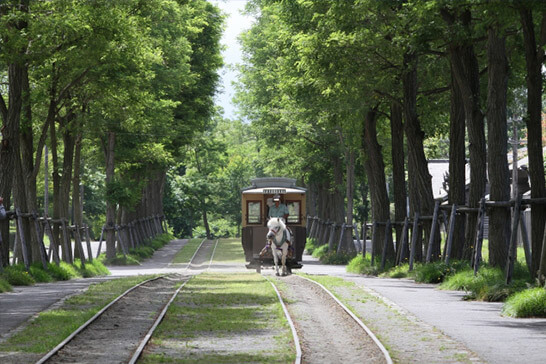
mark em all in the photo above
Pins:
pixel 254 209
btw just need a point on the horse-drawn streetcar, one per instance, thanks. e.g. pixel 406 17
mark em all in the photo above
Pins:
pixel 257 206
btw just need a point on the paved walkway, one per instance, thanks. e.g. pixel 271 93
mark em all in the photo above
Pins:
pixel 478 325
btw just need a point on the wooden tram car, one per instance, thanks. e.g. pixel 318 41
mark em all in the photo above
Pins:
pixel 256 200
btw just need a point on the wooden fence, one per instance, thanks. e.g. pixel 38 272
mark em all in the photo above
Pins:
pixel 327 232
pixel 73 237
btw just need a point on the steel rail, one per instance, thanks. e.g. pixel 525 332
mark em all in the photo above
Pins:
pixel 212 255
pixel 357 320
pixel 90 321
pixel 148 336
pixel 290 322
pixel 143 343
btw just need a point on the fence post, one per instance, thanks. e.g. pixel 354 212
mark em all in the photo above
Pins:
pixel 414 237
pixel 525 241
pixel 479 241
pixel 332 237
pixel 39 240
pixel 388 232
pixel 100 240
pixel 450 233
pixel 374 237
pixel 53 245
pixel 403 242
pixel 66 242
pixel 433 230
pixel 88 241
pixel 513 239
pixel 22 238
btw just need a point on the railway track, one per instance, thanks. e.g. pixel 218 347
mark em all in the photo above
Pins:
pixel 313 327
pixel 120 331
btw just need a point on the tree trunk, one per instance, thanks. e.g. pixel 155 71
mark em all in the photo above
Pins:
pixel 465 69
pixel 534 58
pixel 419 178
pixel 398 168
pixel 11 115
pixel 457 166
pixel 375 171
pixel 76 197
pixel 110 205
pixel 497 140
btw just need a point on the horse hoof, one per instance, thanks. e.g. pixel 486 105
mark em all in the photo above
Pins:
pixel 277 274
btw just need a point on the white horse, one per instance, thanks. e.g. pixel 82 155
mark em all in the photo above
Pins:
pixel 279 239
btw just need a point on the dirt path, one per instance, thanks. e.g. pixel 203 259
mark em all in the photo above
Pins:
pixel 327 333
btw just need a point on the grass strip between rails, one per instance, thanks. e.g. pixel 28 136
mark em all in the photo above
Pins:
pixel 223 318
pixel 187 251
pixel 229 251
pixel 53 326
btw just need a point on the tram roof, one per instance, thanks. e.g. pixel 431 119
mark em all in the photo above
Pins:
pixel 274 190
pixel 274 185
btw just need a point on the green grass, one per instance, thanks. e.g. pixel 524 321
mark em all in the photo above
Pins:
pixel 363 265
pixel 527 303
pixel 186 253
pixel 229 251
pixel 214 306
pixel 489 284
pixel 51 327
pixel 5 286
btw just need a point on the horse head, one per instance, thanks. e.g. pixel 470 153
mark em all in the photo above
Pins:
pixel 275 226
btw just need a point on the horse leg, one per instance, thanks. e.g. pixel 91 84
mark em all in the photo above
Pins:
pixel 283 258
pixel 275 257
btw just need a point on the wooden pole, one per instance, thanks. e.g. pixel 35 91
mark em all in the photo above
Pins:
pixel 78 241
pixel 477 257
pixel 388 232
pixel 66 242
pixel 341 236
pixel 21 234
pixel 450 233
pixel 374 237
pixel 88 241
pixel 433 229
pixel 100 241
pixel 403 242
pixel 414 238
pixel 332 237
pixel 513 240
pixel 40 240
pixel 53 244
pixel 525 241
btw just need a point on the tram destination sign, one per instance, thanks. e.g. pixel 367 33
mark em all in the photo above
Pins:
pixel 274 191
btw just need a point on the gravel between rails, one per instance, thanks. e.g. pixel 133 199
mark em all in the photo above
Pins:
pixel 327 333
pixel 115 335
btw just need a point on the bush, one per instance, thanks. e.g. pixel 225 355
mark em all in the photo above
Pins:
pixel 92 269
pixel 39 274
pixel 489 284
pixel 60 273
pixel 436 272
pixel 16 275
pixel 4 286
pixel 311 245
pixel 362 265
pixel 528 303
pixel 320 251
pixel 400 271
pixel 337 258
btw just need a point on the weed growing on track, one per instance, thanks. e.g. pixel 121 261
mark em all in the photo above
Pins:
pixel 53 326
pixel 223 318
